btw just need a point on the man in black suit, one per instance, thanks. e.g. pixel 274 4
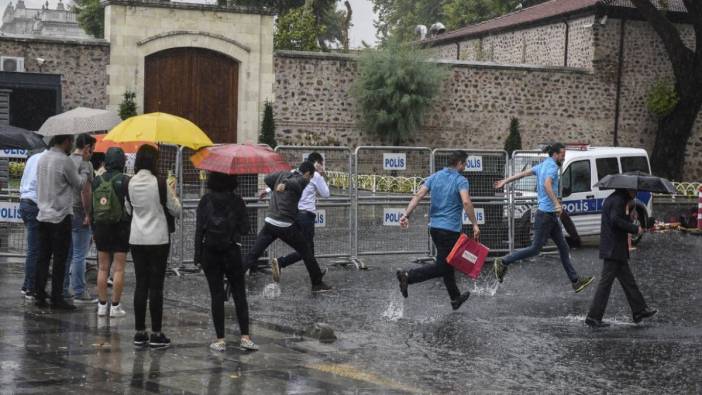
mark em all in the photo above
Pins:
pixel 614 250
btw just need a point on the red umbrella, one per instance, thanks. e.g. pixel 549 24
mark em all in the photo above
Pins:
pixel 239 159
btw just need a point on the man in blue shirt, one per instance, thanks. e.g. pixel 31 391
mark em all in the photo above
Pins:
pixel 546 223
pixel 449 197
pixel 28 212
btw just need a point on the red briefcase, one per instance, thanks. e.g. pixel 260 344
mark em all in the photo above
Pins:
pixel 468 256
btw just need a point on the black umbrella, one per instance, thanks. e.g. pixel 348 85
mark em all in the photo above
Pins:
pixel 638 181
pixel 12 137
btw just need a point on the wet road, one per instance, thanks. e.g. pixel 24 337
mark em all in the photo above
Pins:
pixel 526 335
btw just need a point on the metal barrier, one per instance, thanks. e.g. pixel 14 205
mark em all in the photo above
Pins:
pixel 523 197
pixel 334 225
pixel 377 213
pixel 483 169
pixel 13 241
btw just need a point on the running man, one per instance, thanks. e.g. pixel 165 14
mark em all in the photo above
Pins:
pixel 449 198
pixel 547 223
pixel 280 223
pixel 307 214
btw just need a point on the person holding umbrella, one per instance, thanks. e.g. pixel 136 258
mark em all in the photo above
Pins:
pixel 221 221
pixel 614 245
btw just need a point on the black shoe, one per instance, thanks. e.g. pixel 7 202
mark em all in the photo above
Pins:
pixel 159 341
pixel 402 277
pixel 141 339
pixel 62 305
pixel 582 283
pixel 456 304
pixel 645 313
pixel 321 287
pixel 593 323
pixel 41 303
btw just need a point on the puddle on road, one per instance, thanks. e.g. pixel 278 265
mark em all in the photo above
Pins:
pixel 271 291
pixel 485 286
pixel 395 310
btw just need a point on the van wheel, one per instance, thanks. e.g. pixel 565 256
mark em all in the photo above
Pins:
pixel 641 220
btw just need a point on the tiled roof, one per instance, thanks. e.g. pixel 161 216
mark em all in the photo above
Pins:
pixel 545 10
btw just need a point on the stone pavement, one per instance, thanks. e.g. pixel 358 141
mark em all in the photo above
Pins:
pixel 526 335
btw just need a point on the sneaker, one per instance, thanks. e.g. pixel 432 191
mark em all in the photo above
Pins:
pixel 102 309
pixel 275 270
pixel 456 304
pixel 593 323
pixel 500 269
pixel 159 341
pixel 62 305
pixel 321 287
pixel 402 277
pixel 117 311
pixel 141 339
pixel 582 283
pixel 219 346
pixel 29 295
pixel 646 313
pixel 23 291
pixel 248 345
pixel 84 298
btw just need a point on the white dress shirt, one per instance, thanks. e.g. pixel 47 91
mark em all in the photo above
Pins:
pixel 149 226
pixel 317 185
pixel 28 184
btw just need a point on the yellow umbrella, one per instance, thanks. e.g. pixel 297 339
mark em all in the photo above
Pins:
pixel 160 127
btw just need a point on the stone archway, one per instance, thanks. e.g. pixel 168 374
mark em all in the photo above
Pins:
pixel 199 84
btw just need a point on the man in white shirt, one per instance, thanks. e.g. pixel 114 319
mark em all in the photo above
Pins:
pixel 29 211
pixel 307 214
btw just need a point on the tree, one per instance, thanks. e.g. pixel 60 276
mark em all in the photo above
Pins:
pixel 514 140
pixel 395 85
pixel 675 129
pixel 91 17
pixel 296 30
pixel 128 108
pixel 267 135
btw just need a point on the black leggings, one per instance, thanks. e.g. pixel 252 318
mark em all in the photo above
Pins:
pixel 150 263
pixel 217 265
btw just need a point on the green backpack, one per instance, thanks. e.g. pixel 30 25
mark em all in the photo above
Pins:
pixel 107 209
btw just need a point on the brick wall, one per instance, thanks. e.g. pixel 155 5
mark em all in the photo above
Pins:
pixel 82 65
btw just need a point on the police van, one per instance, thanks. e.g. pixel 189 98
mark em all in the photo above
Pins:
pixel 583 167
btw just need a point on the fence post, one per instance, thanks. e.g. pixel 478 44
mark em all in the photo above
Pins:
pixel 699 209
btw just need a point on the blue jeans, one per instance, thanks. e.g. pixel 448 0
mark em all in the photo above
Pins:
pixel 28 212
pixel 546 225
pixel 75 264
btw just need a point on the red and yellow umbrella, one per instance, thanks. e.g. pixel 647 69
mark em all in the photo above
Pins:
pixel 131 147
pixel 239 159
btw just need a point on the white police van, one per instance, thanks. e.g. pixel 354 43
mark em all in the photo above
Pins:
pixel 583 167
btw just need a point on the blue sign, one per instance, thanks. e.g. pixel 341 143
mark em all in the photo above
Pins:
pixel 9 212
pixel 584 206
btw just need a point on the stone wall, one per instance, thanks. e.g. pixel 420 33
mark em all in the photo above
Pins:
pixel 82 66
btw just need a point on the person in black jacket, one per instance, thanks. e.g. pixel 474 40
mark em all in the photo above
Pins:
pixel 221 221
pixel 614 250
pixel 286 190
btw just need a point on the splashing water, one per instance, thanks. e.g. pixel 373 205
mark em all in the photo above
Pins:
pixel 395 310
pixel 271 291
pixel 485 286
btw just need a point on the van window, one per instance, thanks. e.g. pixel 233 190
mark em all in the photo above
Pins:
pixel 607 166
pixel 576 178
pixel 635 163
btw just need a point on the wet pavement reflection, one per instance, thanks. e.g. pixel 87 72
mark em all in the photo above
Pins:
pixel 527 335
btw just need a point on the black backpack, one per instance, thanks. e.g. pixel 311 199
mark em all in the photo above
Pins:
pixel 220 227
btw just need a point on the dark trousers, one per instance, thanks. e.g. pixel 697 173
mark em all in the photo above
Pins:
pixel 216 265
pixel 29 212
pixel 150 263
pixel 293 237
pixel 305 220
pixel 546 225
pixel 620 270
pixel 54 241
pixel 444 241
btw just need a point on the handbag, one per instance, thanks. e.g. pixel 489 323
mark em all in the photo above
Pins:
pixel 468 256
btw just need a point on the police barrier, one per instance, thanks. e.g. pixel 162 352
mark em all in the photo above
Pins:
pixel 377 211
pixel 483 169
pixel 12 235
pixel 523 197
pixel 333 226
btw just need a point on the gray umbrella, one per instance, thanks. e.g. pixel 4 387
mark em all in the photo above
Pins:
pixel 80 120
pixel 638 181
pixel 18 138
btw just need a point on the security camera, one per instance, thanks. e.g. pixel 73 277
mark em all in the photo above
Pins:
pixel 40 61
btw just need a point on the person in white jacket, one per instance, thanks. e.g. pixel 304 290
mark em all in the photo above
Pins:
pixel 153 204
pixel 307 214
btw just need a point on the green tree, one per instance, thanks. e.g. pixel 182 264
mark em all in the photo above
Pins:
pixel 91 17
pixel 395 86
pixel 297 30
pixel 514 140
pixel 267 135
pixel 128 107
